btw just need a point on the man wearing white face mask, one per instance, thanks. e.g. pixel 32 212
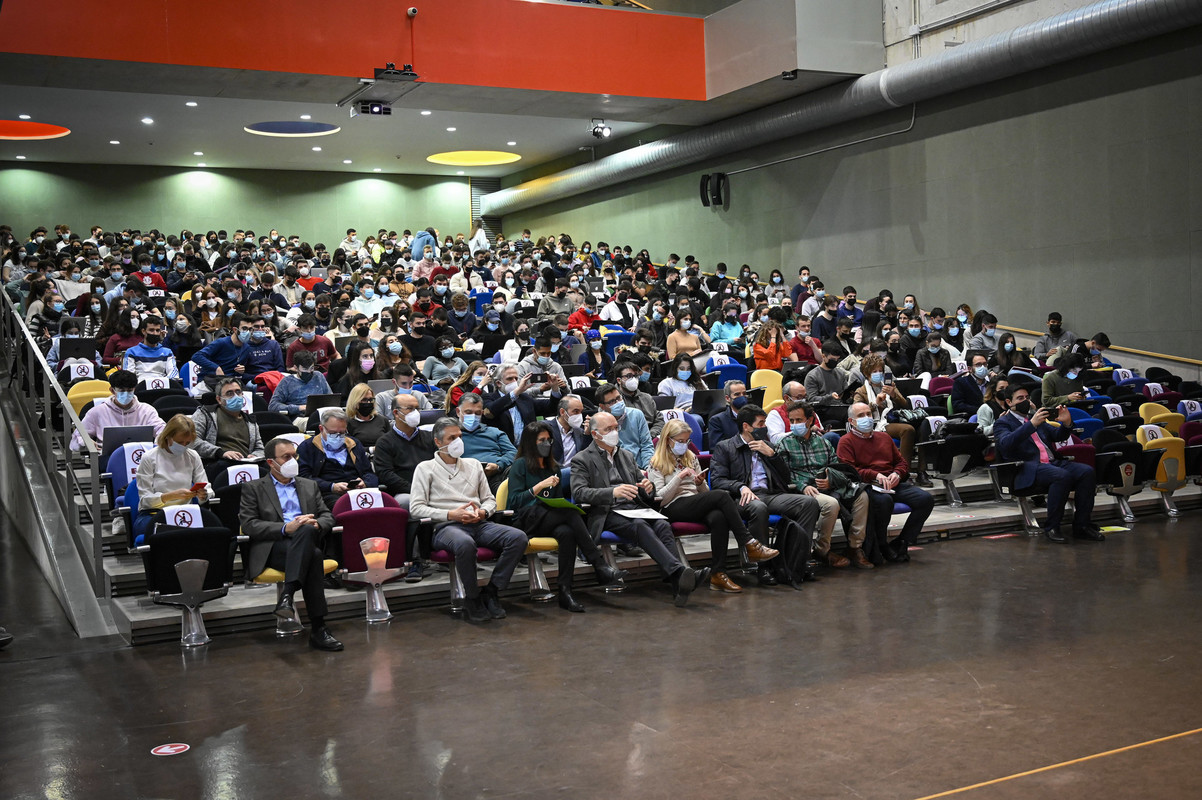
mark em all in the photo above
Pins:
pixel 286 520
pixel 452 490
pixel 569 432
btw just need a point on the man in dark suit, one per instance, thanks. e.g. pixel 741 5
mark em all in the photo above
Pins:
pixel 606 477
pixel 756 475
pixel 968 391
pixel 286 520
pixel 722 424
pixel 567 430
pixel 510 401
pixel 1031 442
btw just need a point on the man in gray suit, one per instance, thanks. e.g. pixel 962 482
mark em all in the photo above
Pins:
pixel 286 520
pixel 606 477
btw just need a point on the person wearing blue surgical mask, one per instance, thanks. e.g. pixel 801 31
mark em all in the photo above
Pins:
pixel 236 436
pixel 1063 384
pixel 542 362
pixel 338 462
pixel 968 391
pixel 682 381
pixel 933 359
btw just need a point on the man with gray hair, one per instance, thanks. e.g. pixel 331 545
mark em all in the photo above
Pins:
pixel 510 407
pixel 483 442
pixel 452 491
pixel 337 462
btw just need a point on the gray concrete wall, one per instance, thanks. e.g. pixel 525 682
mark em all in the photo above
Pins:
pixel 1077 188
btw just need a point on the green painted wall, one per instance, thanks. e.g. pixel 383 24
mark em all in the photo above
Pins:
pixel 1076 189
pixel 319 206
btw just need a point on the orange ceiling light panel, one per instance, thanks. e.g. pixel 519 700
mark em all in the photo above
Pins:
pixel 25 131
pixel 474 158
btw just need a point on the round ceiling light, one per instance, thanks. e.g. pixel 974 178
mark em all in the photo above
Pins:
pixel 27 131
pixel 474 158
pixel 289 128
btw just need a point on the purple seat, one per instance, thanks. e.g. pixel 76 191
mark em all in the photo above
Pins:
pixel 445 557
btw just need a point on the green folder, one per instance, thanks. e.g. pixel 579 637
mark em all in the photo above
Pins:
pixel 559 502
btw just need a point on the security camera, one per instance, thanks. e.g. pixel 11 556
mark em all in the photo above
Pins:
pixel 412 12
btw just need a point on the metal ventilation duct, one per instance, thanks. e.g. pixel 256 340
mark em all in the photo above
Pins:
pixel 1073 34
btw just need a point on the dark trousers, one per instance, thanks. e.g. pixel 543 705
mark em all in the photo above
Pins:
pixel 462 540
pixel 720 512
pixel 299 557
pixel 799 508
pixel 880 510
pixel 653 535
pixel 1063 477
pixel 219 465
pixel 567 526
pixel 144 524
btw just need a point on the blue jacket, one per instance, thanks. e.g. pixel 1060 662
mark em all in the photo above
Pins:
pixel 722 426
pixel 1014 444
pixel 489 445
pixel 967 396
pixel 635 436
pixel 726 332
pixel 220 353
pixel 264 357
pixel 312 462
pixel 422 239
pixel 292 392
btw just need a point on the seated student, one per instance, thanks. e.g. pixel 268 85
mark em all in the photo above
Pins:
pixel 771 350
pixel 933 359
pixel 814 468
pixel 882 400
pixel 150 359
pixel 443 368
pixel 309 340
pixel 1008 356
pixel 360 367
pixel 755 474
pixel 993 406
pixel 1092 350
pixel 337 463
pixel 826 383
pixel 71 328
pixel 633 432
pixel 807 348
pixel 727 329
pixel 167 473
pixel 567 430
pixel 536 474
pixel 986 340
pixel 264 353
pixel 722 423
pixel 824 322
pixel 1063 384
pixel 122 409
pixel 226 356
pixel 606 478
pixel 583 318
pixel 968 391
pixel 509 407
pixel 402 377
pixel 1056 340
pixel 126 335
pixel 419 343
pixel 511 351
pixel 594 358
pixel 1027 437
pixel 541 362
pixel 364 423
pixel 689 337
pixel 879 463
pixel 476 379
pixel 397 454
pixel 682 382
pixel 452 490
pixel 292 392
pixel 483 442
pixel 227 434
pixel 287 522
pixel 684 496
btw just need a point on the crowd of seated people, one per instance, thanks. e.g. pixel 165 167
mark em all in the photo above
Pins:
pixel 462 363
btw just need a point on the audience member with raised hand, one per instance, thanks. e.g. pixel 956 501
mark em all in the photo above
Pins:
pixel 606 478
pixel 684 496
pixel 509 407
pixel 548 380
pixel 169 474
pixel 535 476
pixel 452 491
pixel 475 379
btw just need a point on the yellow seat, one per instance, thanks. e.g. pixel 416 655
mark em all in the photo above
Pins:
pixel 540 590
pixel 771 380
pixel 270 575
pixel 774 404
pixel 84 392
pixel 186 296
pixel 537 544
pixel 1156 414
pixel 290 626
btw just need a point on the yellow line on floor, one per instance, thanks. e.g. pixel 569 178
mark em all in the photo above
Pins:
pixel 951 792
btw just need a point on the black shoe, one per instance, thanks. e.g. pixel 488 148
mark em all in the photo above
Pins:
pixel 322 639
pixel 896 552
pixel 1086 533
pixel 414 575
pixel 332 581
pixel 922 480
pixel 809 575
pixel 703 576
pixel 492 604
pixel 474 610
pixel 630 551
pixel 284 608
pixel 6 638
pixel 568 603
pixel 607 575
pixel 1055 535
pixel 765 577
pixel 791 583
pixel 686 582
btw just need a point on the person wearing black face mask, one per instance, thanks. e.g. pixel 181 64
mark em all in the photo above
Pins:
pixel 825 385
pixel 1030 438
pixel 621 310
pixel 1056 340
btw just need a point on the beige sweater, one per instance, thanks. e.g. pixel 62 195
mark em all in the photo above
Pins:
pixel 437 489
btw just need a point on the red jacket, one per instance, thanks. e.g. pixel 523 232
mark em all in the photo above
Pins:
pixel 582 320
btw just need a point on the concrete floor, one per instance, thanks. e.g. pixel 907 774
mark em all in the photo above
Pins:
pixel 979 659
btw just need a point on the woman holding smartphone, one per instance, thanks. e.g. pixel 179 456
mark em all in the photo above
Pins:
pixel 168 474
pixel 684 496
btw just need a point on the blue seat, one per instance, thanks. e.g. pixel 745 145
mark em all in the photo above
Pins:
pixel 122 466
pixel 697 433
pixel 483 301
pixel 615 339
pixel 728 372
pixel 1084 424
pixel 130 502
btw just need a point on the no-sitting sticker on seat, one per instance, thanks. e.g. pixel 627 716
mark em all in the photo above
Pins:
pixel 173 749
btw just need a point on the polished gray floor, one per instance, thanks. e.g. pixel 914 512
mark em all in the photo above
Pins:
pixel 978 660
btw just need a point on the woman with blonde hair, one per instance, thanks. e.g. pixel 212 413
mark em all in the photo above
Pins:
pixel 364 424
pixel 680 486
pixel 167 473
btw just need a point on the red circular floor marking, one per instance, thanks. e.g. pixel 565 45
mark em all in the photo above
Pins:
pixel 171 749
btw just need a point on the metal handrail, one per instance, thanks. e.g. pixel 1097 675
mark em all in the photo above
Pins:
pixel 21 351
pixel 1117 348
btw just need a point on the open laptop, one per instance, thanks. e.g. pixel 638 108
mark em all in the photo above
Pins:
pixel 908 386
pixel 574 370
pixel 84 349
pixel 705 401
pixel 316 401
pixel 382 385
pixel 491 344
pixel 117 435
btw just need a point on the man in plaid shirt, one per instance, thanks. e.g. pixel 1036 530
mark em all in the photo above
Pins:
pixel 808 456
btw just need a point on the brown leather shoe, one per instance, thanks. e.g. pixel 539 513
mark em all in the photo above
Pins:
pixel 721 582
pixel 836 560
pixel 756 552
pixel 859 559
